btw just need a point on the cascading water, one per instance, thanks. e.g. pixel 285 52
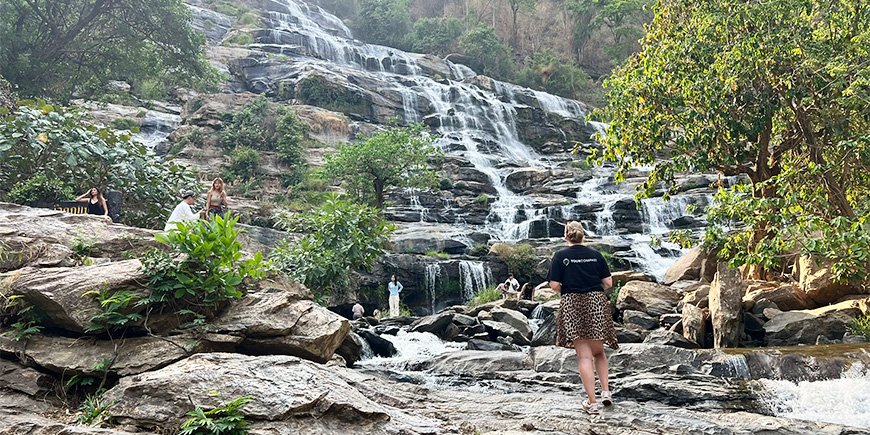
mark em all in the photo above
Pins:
pixel 412 347
pixel 474 276
pixel 843 401
pixel 659 214
pixel 433 276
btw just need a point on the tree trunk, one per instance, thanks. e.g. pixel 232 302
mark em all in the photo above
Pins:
pixel 515 31
pixel 379 193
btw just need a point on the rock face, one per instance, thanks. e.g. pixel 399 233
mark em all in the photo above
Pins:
pixel 283 388
pixel 272 319
pixel 726 303
pixel 695 324
pixel 639 318
pixel 817 281
pixel 807 326
pixel 785 296
pixel 60 292
pixel 513 318
pixel 648 297
pixel 688 267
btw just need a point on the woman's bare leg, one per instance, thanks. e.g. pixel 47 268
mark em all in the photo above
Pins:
pixel 597 348
pixel 584 365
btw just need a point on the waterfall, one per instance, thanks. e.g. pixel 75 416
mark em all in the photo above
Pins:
pixel 651 261
pixel 433 274
pixel 412 347
pixel 844 401
pixel 414 199
pixel 659 214
pixel 474 276
pixel 560 106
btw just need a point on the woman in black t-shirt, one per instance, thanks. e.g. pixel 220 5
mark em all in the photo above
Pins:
pixel 584 321
pixel 96 202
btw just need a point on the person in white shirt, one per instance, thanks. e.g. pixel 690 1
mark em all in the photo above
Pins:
pixel 182 211
pixel 358 311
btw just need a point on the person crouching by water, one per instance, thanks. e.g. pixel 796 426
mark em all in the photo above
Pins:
pixel 394 287
pixel 96 202
pixel 358 311
pixel 584 321
pixel 182 211
pixel 216 199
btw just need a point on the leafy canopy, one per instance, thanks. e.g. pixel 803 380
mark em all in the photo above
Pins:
pixel 777 91
pixel 341 236
pixel 384 22
pixel 394 157
pixel 487 54
pixel 56 48
pixel 45 149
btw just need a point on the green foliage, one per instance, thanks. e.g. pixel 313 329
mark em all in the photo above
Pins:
pixel 82 246
pixel 614 293
pixel 521 259
pixel 26 319
pixel 395 157
pixel 546 72
pixel 251 127
pixel 125 124
pixel 241 39
pixel 775 91
pixel 445 184
pixel 483 199
pixel 435 35
pixel 341 236
pixel 117 309
pixel 861 327
pixel 486 53
pixel 318 91
pixel 226 419
pixel 485 296
pixel 479 250
pixel 244 164
pixel 290 133
pixel 40 190
pixel 41 139
pixel 207 266
pixel 624 19
pixel 434 253
pixel 384 22
pixel 94 410
pixel 49 46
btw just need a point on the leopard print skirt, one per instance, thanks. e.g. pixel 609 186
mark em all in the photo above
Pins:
pixel 585 316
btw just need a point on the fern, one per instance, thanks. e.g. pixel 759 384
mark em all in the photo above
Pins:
pixel 226 419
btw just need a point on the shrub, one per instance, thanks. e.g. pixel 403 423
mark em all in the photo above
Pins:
pixel 317 91
pixel 434 35
pixel 482 199
pixel 125 124
pixel 445 184
pixel 479 250
pixel 241 39
pixel 861 326
pixel 23 319
pixel 244 164
pixel 486 53
pixel 116 309
pixel 437 254
pixel 521 259
pixel 40 190
pixel 485 296
pixel 226 419
pixel 207 266
pixel 93 411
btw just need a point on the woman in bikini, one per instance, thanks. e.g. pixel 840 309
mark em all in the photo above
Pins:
pixel 216 199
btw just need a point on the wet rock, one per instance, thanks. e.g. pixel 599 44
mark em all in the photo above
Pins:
pixel 726 293
pixel 695 324
pixel 501 329
pixel 351 348
pixel 526 178
pixel 786 297
pixel 818 283
pixel 648 297
pixel 380 346
pixel 546 333
pixel 463 320
pixel 669 338
pixel 273 319
pixel 688 267
pixel 435 323
pixel 471 362
pixel 640 319
pixel 59 292
pixel 475 344
pixel 806 326
pixel 513 318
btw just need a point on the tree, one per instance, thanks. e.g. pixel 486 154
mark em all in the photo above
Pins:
pixel 774 91
pixel 341 236
pixel 57 48
pixel 384 22
pixel 486 53
pixel 623 18
pixel 435 35
pixel 395 157
pixel 515 6
pixel 43 145
pixel 544 71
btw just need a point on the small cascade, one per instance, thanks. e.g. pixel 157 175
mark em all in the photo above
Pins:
pixel 560 106
pixel 539 313
pixel 658 214
pixel 155 128
pixel 604 223
pixel 593 192
pixel 412 347
pixel 414 199
pixel 738 367
pixel 474 276
pixel 844 401
pixel 432 277
pixel 651 261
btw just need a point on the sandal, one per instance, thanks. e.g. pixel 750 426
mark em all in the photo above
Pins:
pixel 606 398
pixel 590 408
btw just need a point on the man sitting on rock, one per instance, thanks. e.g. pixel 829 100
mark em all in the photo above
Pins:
pixel 182 211
pixel 358 311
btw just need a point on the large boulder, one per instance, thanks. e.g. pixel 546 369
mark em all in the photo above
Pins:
pixel 554 359
pixel 380 346
pixel 68 356
pixel 24 379
pixel 273 319
pixel 501 329
pixel 786 296
pixel 688 267
pixel 807 326
pixel 726 304
pixel 351 348
pixel 664 337
pixel 695 324
pixel 436 323
pixel 698 297
pixel 640 319
pixel 283 388
pixel 513 318
pixel 648 297
pixel 545 335
pixel 20 251
pixel 818 282
pixel 59 292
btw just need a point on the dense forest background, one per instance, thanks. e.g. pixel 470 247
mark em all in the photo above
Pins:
pixel 562 47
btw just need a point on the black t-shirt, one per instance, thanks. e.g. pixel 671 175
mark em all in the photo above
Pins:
pixel 579 269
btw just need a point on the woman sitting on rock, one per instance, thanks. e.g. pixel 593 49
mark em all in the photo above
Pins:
pixel 216 199
pixel 96 202
pixel 584 323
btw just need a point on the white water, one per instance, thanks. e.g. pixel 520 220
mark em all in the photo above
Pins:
pixel 474 276
pixel 433 275
pixel 412 347
pixel 844 401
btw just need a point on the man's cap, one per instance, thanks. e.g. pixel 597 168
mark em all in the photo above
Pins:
pixel 186 193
